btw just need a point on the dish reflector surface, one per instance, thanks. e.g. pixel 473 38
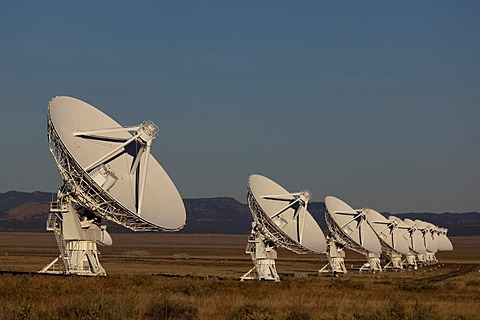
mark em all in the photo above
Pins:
pixel 388 231
pixel 282 216
pixel 428 235
pixel 351 226
pixel 416 238
pixel 443 243
pixel 81 136
pixel 403 230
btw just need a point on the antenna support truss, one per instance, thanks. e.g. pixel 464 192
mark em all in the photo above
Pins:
pixel 263 252
pixel 336 258
pixel 270 230
pixel 87 194
pixel 373 259
pixel 76 242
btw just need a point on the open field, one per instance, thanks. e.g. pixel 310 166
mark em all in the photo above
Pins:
pixel 186 276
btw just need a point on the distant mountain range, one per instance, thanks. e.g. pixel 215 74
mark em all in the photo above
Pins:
pixel 24 211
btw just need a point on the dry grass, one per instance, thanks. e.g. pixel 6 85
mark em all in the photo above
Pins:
pixel 146 296
pixel 135 290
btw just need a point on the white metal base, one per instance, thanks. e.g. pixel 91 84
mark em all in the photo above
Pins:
pixel 430 258
pixel 411 260
pixel 76 241
pixel 81 258
pixel 263 256
pixel 422 259
pixel 395 260
pixel 373 263
pixel 336 259
pixel 264 269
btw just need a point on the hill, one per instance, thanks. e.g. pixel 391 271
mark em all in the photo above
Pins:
pixel 12 199
pixel 23 211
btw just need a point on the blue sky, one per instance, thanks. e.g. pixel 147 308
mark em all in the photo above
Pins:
pixel 375 102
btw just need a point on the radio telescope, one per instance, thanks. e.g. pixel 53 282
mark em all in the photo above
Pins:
pixel 391 236
pixel 429 239
pixel 406 232
pixel 281 218
pixel 416 244
pixel 443 243
pixel 108 173
pixel 349 228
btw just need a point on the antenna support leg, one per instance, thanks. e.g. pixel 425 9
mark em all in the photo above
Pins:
pixel 422 259
pixel 430 258
pixel 395 260
pixel 76 242
pixel 412 260
pixel 336 258
pixel 373 263
pixel 263 253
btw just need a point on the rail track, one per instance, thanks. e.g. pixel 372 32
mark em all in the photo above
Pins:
pixel 461 269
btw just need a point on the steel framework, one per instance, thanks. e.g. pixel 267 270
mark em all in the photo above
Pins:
pixel 87 193
pixel 78 249
pixel 340 237
pixel 270 230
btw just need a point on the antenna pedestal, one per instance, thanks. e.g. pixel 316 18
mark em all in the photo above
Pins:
pixel 422 259
pixel 373 263
pixel 430 258
pixel 263 255
pixel 77 242
pixel 395 260
pixel 412 260
pixel 336 258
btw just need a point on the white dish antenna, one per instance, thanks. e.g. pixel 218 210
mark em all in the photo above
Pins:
pixel 350 227
pixel 403 230
pixel 443 243
pixel 416 242
pixel 108 168
pixel 109 173
pixel 281 218
pixel 391 233
pixel 429 235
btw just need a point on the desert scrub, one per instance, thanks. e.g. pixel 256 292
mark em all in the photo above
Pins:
pixel 252 312
pixel 473 283
pixel 144 297
pixel 396 311
pixel 416 286
pixel 346 284
pixel 297 315
pixel 192 289
pixel 171 310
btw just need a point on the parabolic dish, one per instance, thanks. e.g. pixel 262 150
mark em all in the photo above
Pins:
pixel 350 226
pixel 428 235
pixel 109 170
pixel 283 217
pixel 403 229
pixel 443 243
pixel 416 238
pixel 388 231
pixel 433 236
